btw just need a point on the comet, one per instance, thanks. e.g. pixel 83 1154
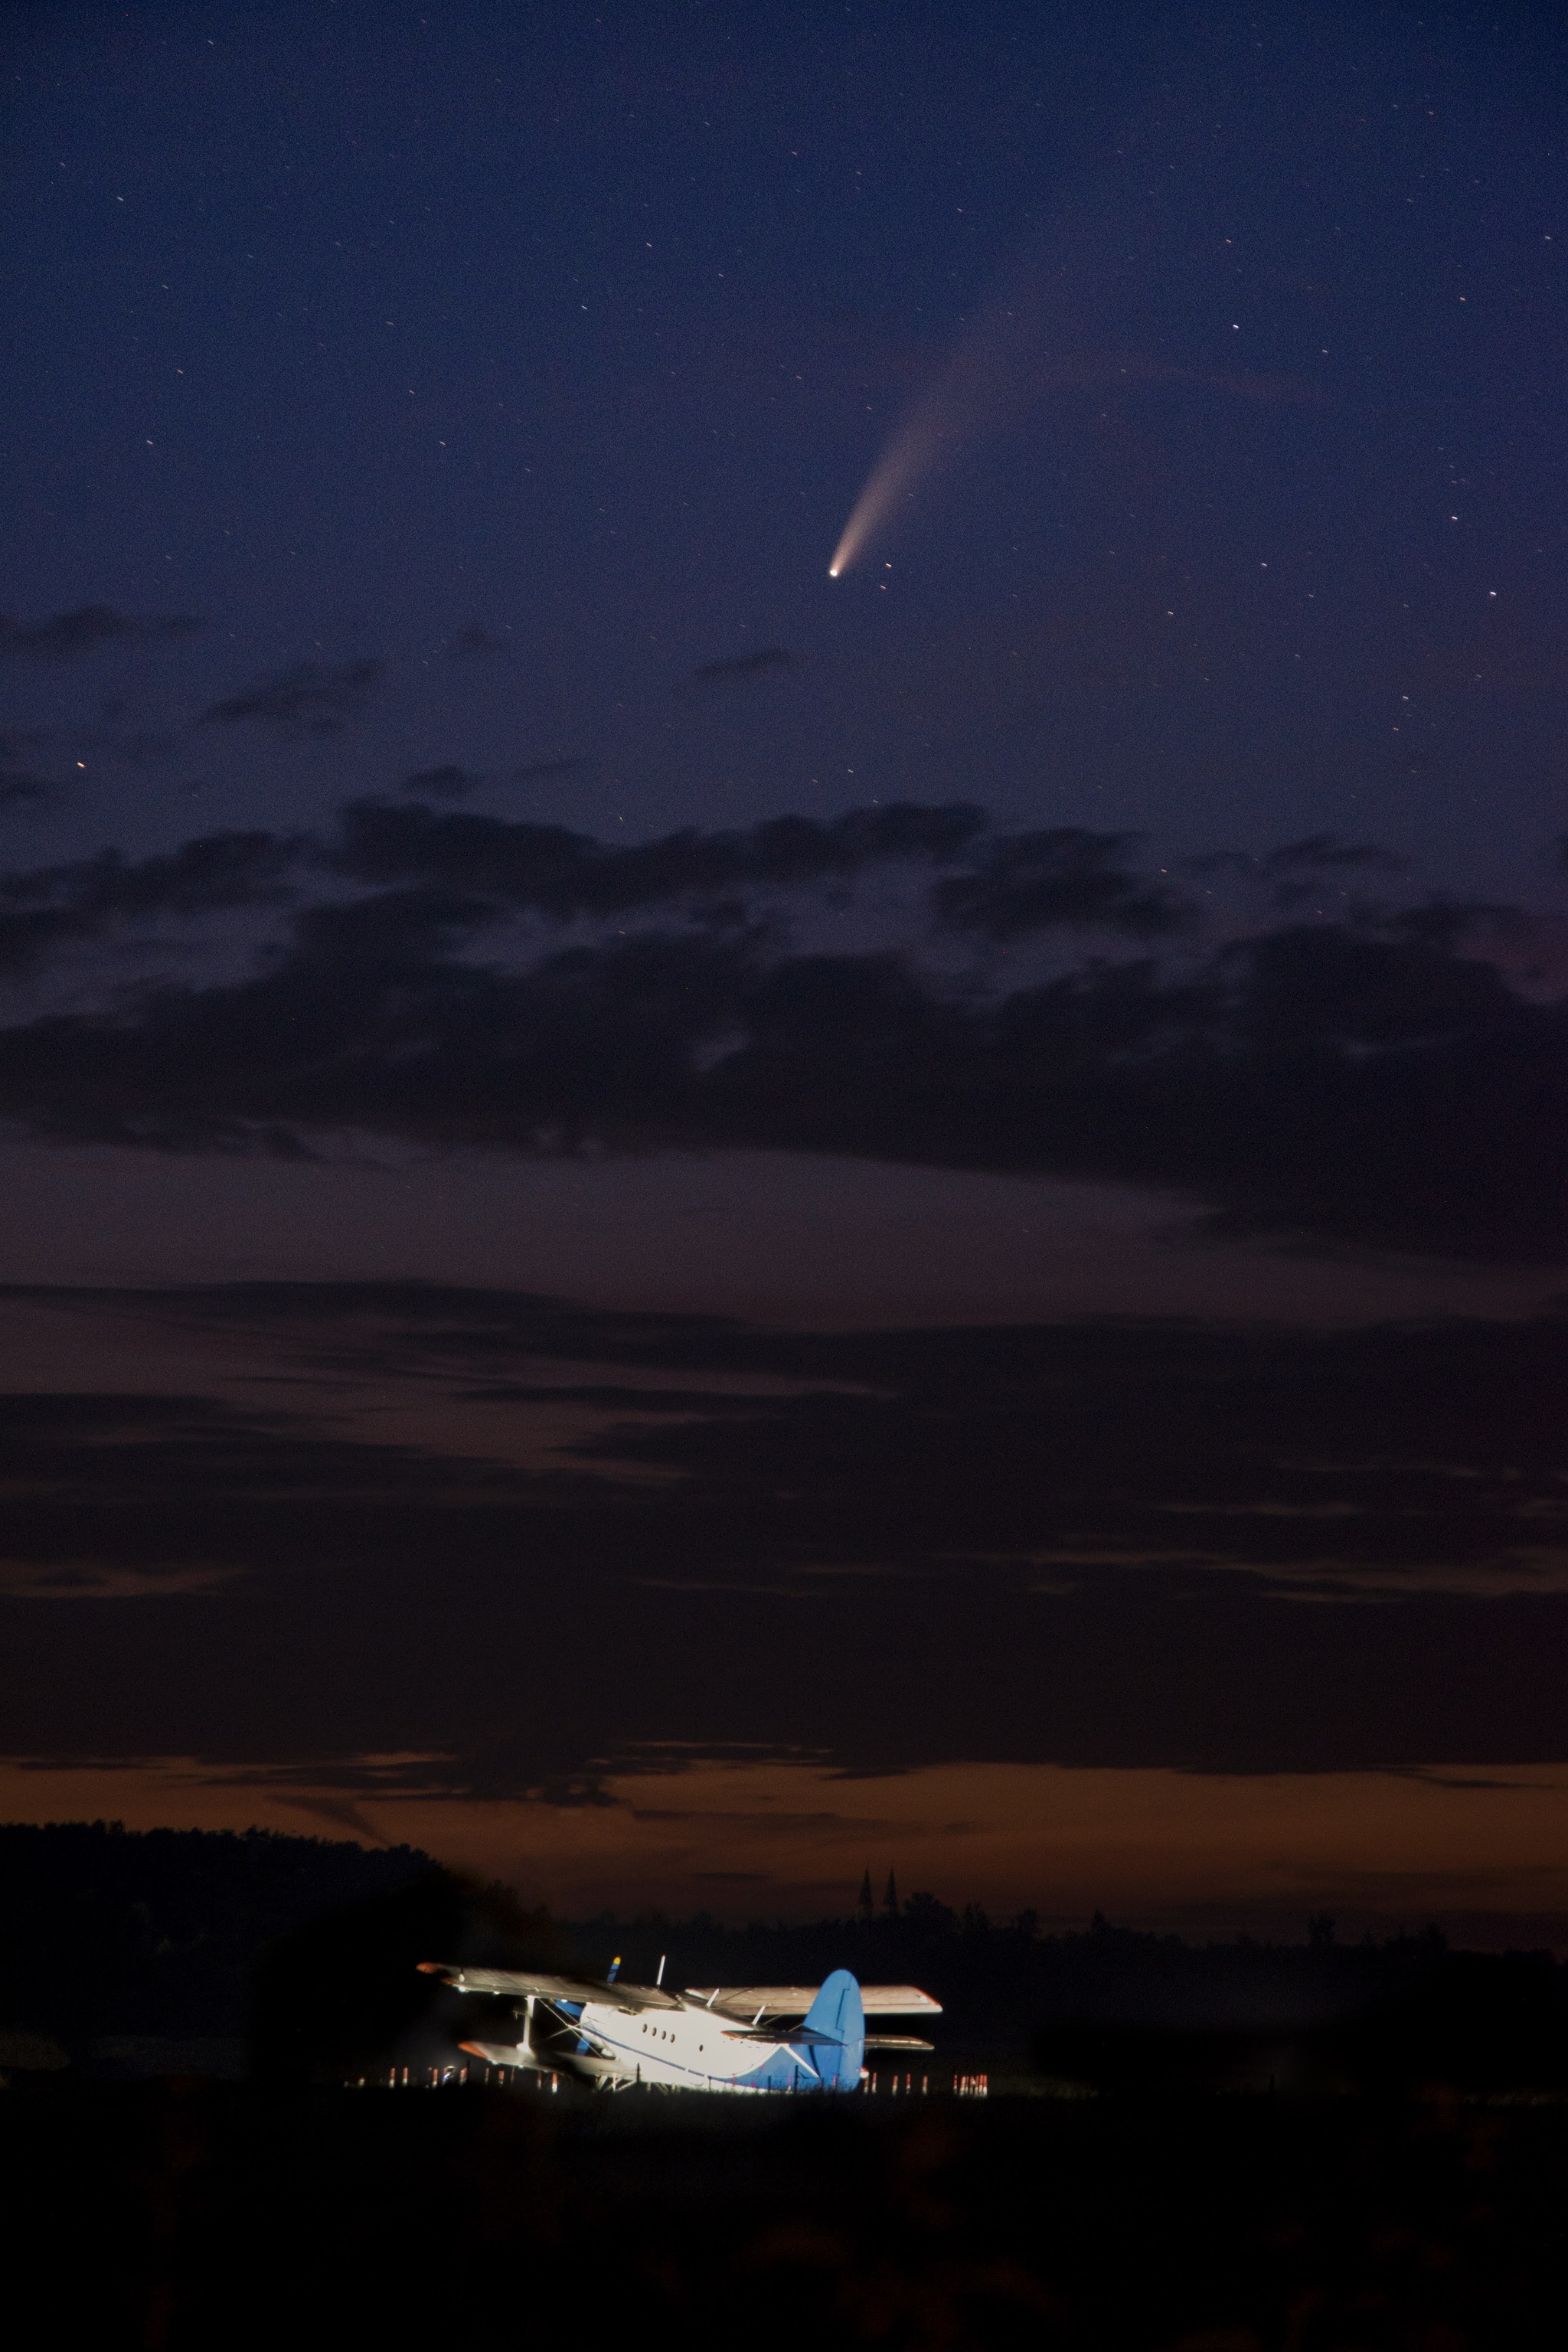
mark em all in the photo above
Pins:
pixel 1009 359
pixel 977 386
pixel 913 452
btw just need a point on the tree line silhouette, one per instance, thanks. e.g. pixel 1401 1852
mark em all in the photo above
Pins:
pixel 308 1946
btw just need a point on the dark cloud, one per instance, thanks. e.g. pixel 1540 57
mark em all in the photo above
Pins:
pixel 311 698
pixel 768 661
pixel 64 636
pixel 447 783
pixel 1116 1543
pixel 566 873
pixel 1390 1091
pixel 22 780
pixel 27 939
pixel 1299 873
pixel 20 783
pixel 1039 881
pixel 19 787
pixel 219 869
pixel 1370 1079
pixel 54 905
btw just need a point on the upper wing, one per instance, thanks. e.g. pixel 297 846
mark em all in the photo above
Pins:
pixel 758 2002
pixel 520 1982
pixel 898 2000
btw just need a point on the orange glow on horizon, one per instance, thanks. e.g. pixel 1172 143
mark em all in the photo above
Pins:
pixel 1146 1846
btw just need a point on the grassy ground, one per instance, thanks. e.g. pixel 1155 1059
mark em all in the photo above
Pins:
pixel 171 2214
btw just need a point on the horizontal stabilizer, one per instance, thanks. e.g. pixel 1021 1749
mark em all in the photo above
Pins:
pixel 896 2042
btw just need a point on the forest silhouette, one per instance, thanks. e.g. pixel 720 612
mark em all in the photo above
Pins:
pixel 304 1952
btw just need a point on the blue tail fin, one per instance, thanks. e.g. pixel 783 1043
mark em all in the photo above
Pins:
pixel 837 2011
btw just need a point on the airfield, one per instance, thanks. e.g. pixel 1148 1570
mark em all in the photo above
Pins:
pixel 193 2214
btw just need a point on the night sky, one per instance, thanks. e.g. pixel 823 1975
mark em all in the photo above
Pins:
pixel 678 1225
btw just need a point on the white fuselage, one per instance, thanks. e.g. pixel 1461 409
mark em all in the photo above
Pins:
pixel 692 2047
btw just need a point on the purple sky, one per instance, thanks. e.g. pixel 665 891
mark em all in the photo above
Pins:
pixel 958 1170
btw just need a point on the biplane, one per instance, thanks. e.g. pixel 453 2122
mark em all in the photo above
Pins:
pixel 737 2038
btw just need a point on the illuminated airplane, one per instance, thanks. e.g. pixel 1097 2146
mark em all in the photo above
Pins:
pixel 718 2038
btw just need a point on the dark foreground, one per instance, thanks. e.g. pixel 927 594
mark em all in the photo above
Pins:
pixel 201 2214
